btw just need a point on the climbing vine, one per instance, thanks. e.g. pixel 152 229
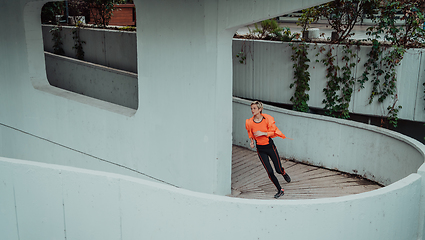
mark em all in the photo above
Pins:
pixel 380 69
pixel 340 84
pixel 301 75
pixel 242 54
pixel 78 43
pixel 57 40
pixel 388 40
pixel 372 68
pixel 270 30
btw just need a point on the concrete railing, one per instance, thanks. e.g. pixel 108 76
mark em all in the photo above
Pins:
pixel 45 201
pixel 111 48
pixel 376 153
pixel 92 80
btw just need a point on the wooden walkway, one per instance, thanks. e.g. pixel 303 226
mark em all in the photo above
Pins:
pixel 250 180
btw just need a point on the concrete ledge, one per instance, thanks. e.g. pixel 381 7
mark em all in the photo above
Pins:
pixel 42 201
pixel 50 201
pixel 378 154
pixel 93 80
pixel 102 46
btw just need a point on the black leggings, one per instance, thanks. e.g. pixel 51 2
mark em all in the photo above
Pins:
pixel 266 151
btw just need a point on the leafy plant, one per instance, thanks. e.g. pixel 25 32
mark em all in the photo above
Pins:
pixel 381 65
pixel 78 43
pixel 242 54
pixel 57 40
pixel 301 75
pixel 50 10
pixel 393 113
pixel 382 61
pixel 78 8
pixel 308 16
pixel 343 15
pixel 340 84
pixel 270 30
pixel 409 34
pixel 372 67
pixel 242 57
pixel 101 10
pixel 383 58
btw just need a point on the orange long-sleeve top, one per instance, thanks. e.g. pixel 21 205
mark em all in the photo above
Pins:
pixel 266 125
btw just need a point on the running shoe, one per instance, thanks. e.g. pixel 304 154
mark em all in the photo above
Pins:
pixel 280 193
pixel 287 177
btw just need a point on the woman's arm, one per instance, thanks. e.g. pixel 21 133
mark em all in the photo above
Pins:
pixel 267 134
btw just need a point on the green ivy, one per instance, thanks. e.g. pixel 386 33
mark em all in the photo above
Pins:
pixel 393 114
pixel 340 84
pixel 57 40
pixel 390 61
pixel 301 76
pixel 372 68
pixel 308 16
pixel 381 67
pixel 409 34
pixel 78 43
pixel 242 54
pixel 270 30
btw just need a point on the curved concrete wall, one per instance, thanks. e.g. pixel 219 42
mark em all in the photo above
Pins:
pixel 42 201
pixel 46 201
pixel 170 142
pixel 379 154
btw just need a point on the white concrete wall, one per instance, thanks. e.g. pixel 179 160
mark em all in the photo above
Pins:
pixel 103 83
pixel 379 154
pixel 187 144
pixel 111 48
pixel 268 73
pixel 43 201
pixel 181 132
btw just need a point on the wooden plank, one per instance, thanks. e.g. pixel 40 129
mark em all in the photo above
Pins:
pixel 250 180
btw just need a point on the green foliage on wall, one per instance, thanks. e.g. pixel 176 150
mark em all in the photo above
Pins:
pixel 380 68
pixel 301 76
pixel 78 43
pixel 340 85
pixel 270 30
pixel 57 40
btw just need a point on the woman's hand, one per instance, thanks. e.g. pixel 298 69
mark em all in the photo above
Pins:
pixel 259 133
pixel 251 144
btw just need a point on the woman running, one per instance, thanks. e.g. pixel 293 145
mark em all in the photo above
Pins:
pixel 261 128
